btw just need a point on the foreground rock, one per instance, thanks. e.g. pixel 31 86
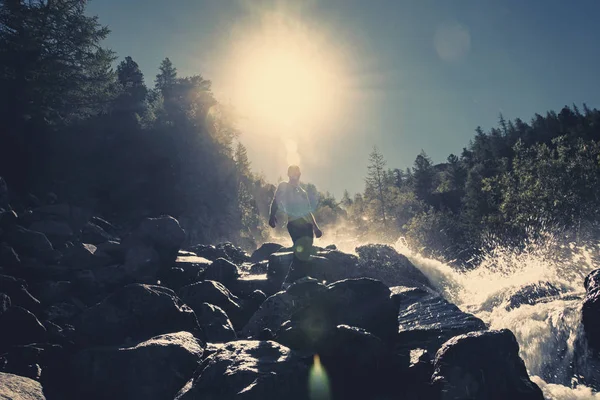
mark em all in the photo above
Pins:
pixel 364 303
pixel 483 365
pixel 134 313
pixel 264 251
pixel 13 387
pixel 215 324
pixel 252 370
pixel 152 370
pixel 426 320
pixel 590 313
pixel 212 292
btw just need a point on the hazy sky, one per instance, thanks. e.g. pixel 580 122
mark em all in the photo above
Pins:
pixel 413 74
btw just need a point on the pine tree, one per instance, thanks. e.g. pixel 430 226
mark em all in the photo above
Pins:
pixel 241 160
pixel 133 90
pixel 423 174
pixel 375 181
pixel 167 77
pixel 346 200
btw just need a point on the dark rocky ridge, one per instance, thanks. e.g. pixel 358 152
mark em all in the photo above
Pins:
pixel 88 311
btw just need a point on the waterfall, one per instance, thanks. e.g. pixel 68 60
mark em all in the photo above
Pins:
pixel 548 330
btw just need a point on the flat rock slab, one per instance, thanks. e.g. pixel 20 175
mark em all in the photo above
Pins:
pixel 14 387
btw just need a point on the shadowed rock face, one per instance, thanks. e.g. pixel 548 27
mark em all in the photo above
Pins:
pixel 426 319
pixel 151 370
pixel 590 313
pixel 252 370
pixel 215 324
pixel 212 292
pixel 136 312
pixel 483 365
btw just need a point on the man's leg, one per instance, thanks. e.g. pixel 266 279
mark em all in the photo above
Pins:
pixel 302 235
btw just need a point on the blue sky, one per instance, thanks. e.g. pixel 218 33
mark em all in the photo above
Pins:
pixel 429 72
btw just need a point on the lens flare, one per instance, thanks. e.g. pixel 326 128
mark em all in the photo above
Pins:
pixel 318 382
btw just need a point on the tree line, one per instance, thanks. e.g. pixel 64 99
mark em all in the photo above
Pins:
pixel 518 180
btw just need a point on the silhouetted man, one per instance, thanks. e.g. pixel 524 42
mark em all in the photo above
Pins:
pixel 293 200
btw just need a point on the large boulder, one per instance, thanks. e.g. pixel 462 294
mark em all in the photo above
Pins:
pixel 18 326
pixel 74 217
pixel 94 234
pixel 142 263
pixel 280 307
pixel 9 257
pixel 483 365
pixel 4 303
pixel 363 303
pixel 57 232
pixel 359 365
pixel 384 263
pixel 14 387
pixel 164 234
pixel 81 256
pixel 252 370
pixel 215 293
pixel 222 250
pixel 590 313
pixel 215 324
pixel 154 369
pixel 31 243
pixel 426 320
pixel 278 267
pixel 134 313
pixel 221 270
pixel 264 251
pixel 17 290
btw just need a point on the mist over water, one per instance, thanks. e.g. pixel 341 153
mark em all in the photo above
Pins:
pixel 548 330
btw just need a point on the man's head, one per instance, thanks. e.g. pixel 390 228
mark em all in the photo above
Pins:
pixel 294 173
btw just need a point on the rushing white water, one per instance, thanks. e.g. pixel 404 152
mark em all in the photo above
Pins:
pixel 548 330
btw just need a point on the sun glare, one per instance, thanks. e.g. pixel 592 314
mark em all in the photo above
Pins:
pixel 285 74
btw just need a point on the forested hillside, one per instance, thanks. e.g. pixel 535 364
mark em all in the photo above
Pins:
pixel 514 181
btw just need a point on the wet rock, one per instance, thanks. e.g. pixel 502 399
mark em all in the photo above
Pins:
pixel 260 267
pixel 383 263
pixel 4 303
pixel 250 370
pixel 532 294
pixel 136 312
pixel 17 290
pixel 280 307
pixel 215 293
pixel 223 250
pixel 142 263
pixel 264 251
pixel 51 292
pixel 16 387
pixel 363 303
pixel 57 232
pixel 81 256
pixel 75 217
pixel 9 257
pixel 154 369
pixel 222 271
pixel 590 312
pixel 94 234
pixel 163 234
pixel 29 242
pixel 483 365
pixel 8 218
pixel 278 267
pixel 20 327
pixel 29 360
pixel 426 320
pixel 215 324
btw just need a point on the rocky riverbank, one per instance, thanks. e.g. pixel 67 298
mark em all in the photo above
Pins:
pixel 88 311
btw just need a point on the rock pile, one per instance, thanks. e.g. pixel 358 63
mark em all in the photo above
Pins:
pixel 88 311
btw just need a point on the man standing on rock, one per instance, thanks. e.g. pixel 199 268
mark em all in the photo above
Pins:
pixel 293 200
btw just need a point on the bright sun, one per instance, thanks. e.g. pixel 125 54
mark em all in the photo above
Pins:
pixel 285 75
